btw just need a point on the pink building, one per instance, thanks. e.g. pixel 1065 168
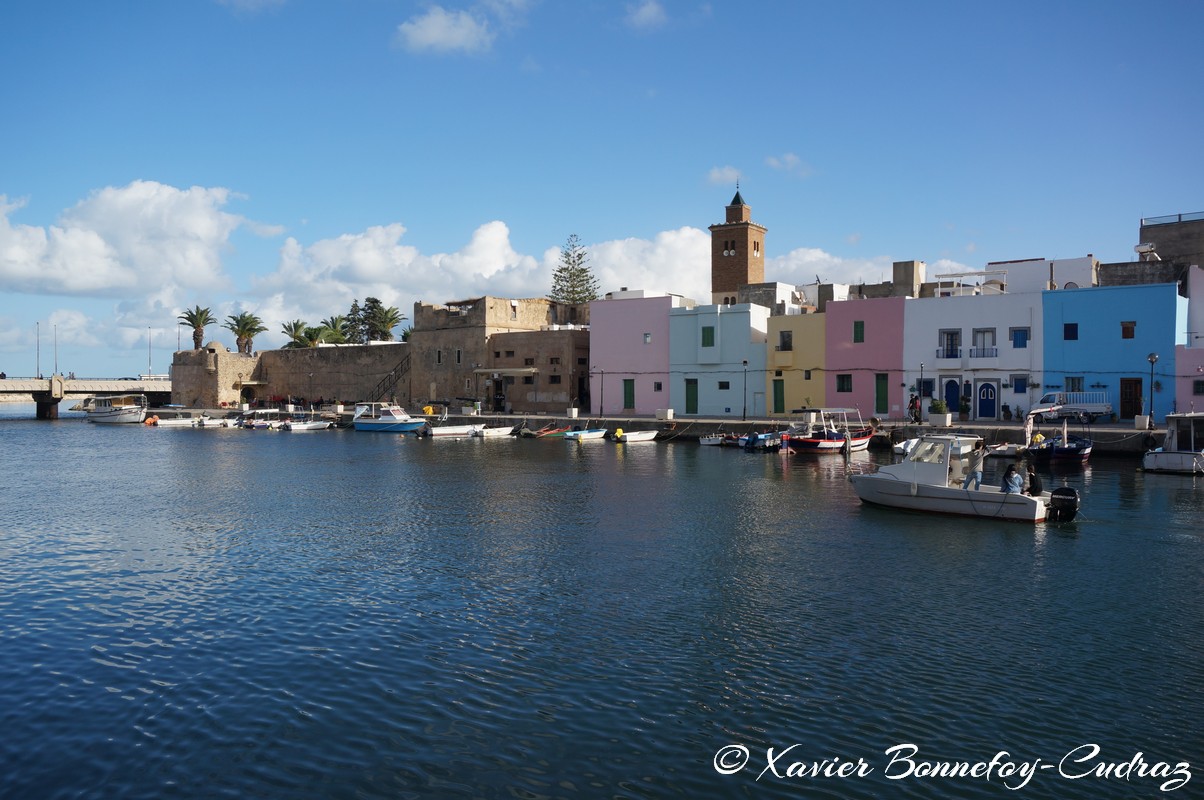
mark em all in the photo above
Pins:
pixel 863 356
pixel 629 352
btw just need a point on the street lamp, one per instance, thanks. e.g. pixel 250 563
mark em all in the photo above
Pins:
pixel 920 388
pixel 1153 359
pixel 744 414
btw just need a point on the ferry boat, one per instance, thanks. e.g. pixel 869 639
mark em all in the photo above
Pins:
pixel 1183 450
pixel 128 408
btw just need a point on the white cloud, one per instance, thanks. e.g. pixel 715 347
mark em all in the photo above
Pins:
pixel 647 15
pixel 721 175
pixel 791 164
pixel 444 31
pixel 121 240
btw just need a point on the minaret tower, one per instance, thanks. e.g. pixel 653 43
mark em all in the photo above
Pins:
pixel 737 252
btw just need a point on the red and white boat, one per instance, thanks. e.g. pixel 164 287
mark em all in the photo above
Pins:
pixel 828 430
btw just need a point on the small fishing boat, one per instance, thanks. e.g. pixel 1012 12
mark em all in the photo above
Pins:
pixel 306 422
pixel 549 431
pixel 117 408
pixel 260 419
pixel 386 418
pixel 713 440
pixel 1062 450
pixel 453 431
pixel 634 436
pixel 494 432
pixel 1183 450
pixel 762 440
pixel 584 434
pixel 829 430
pixel 930 479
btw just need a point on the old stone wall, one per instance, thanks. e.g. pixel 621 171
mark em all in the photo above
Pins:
pixel 213 377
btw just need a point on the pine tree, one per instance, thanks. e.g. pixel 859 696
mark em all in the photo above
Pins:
pixel 573 281
pixel 355 324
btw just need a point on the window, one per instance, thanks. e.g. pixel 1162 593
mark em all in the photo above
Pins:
pixel 1020 384
pixel 785 340
pixel 656 386
pixel 1070 331
pixel 1197 387
pixel 497 354
pixel 459 353
pixel 553 379
pixel 438 356
pixel 984 343
pixel 777 373
pixel 1128 329
pixel 528 380
pixel 806 374
pixel 1074 384
pixel 581 361
pixel 509 354
pixel 467 384
pixel 708 335
pixel 756 248
pixel 858 331
pixel 554 360
pixel 724 385
pixel 844 383
pixel 647 338
pixel 528 362
pixel 951 343
pixel 1019 337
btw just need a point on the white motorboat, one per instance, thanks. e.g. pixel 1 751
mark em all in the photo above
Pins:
pixel 454 431
pixel 1183 450
pixel 127 408
pixel 628 437
pixel 904 447
pixel 260 419
pixel 585 434
pixel 386 418
pixel 494 432
pixel 930 479
pixel 306 422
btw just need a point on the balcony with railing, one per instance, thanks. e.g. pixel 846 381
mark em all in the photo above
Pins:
pixel 984 352
pixel 948 352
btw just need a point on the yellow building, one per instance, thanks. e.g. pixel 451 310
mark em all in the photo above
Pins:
pixel 794 375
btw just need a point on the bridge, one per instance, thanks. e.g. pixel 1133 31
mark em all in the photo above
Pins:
pixel 47 393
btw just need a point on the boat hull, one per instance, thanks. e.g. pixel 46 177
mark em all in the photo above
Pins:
pixel 389 426
pixel 580 436
pixel 636 436
pixel 1180 462
pixel 118 416
pixel 454 431
pixel 987 502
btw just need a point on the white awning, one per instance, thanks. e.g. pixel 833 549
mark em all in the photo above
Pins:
pixel 507 371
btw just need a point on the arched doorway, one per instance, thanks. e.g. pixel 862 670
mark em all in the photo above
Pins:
pixel 988 401
pixel 952 392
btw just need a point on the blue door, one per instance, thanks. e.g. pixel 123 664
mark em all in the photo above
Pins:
pixel 953 394
pixel 987 398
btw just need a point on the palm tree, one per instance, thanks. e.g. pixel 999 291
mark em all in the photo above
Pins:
pixel 381 321
pixel 312 337
pixel 337 329
pixel 197 319
pixel 245 326
pixel 295 331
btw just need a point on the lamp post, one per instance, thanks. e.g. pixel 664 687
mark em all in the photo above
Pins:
pixel 1153 359
pixel 149 371
pixel 601 390
pixel 744 413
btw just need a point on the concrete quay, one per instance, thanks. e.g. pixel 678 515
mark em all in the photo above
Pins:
pixel 1110 439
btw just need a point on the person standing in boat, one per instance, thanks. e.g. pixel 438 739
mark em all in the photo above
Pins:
pixel 1013 483
pixel 974 466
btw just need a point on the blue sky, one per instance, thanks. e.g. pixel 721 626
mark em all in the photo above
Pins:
pixel 287 156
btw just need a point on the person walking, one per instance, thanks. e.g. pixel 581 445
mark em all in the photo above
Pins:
pixel 974 466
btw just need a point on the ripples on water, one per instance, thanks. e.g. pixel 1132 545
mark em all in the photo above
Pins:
pixel 225 613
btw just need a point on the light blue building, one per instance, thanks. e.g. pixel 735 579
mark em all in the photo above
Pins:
pixel 1102 339
pixel 717 360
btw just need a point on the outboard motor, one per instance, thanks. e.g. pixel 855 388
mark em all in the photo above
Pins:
pixel 1063 504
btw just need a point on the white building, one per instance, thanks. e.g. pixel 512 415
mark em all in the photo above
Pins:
pixel 717 360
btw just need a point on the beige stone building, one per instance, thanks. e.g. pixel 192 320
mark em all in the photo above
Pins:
pixel 522 355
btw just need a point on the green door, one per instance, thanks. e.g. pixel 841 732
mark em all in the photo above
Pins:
pixel 779 396
pixel 629 393
pixel 691 395
pixel 881 394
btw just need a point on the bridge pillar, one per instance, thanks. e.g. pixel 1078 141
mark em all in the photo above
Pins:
pixel 47 407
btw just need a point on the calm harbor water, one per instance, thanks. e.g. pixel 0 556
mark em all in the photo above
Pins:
pixel 197 614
